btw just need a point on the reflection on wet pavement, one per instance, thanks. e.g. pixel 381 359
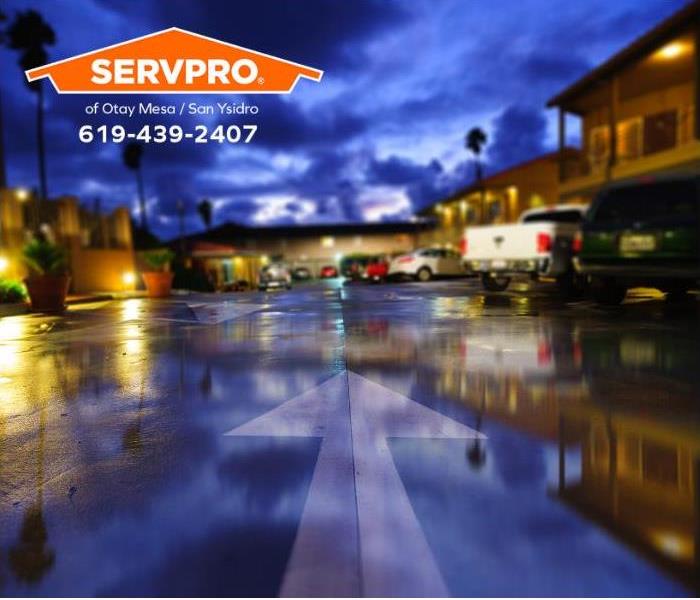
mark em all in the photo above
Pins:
pixel 116 477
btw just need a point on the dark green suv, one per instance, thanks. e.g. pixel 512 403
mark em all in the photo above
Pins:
pixel 643 234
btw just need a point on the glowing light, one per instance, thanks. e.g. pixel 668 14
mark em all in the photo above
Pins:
pixel 22 194
pixel 264 259
pixel 673 545
pixel 671 51
pixel 3 264
pixel 128 278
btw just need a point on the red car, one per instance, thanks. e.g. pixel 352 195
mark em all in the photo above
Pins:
pixel 377 270
pixel 328 272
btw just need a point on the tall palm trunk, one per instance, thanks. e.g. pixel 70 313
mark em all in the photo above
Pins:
pixel 3 168
pixel 43 189
pixel 142 199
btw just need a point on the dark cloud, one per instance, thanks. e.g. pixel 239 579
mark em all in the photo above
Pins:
pixel 403 82
pixel 519 134
pixel 424 184
pixel 327 35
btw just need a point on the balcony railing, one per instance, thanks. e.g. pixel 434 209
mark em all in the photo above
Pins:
pixel 640 141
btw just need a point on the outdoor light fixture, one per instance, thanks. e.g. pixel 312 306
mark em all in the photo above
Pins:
pixel 22 194
pixel 3 264
pixel 128 278
pixel 671 51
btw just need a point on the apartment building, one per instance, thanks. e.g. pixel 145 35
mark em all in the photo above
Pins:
pixel 638 111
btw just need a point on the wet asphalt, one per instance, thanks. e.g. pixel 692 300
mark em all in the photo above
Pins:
pixel 352 440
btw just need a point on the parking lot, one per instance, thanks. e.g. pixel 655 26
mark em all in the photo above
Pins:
pixel 413 439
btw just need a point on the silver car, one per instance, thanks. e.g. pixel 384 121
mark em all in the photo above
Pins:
pixel 274 276
pixel 425 263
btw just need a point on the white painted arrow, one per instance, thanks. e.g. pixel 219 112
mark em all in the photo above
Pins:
pixel 212 313
pixel 358 533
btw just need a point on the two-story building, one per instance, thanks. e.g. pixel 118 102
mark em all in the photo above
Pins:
pixel 498 198
pixel 639 110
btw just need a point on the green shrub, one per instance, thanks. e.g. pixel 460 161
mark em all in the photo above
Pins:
pixel 158 259
pixel 12 291
pixel 45 258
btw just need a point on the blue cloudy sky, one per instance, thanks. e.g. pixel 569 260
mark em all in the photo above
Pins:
pixel 382 134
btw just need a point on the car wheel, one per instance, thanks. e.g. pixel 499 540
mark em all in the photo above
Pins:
pixel 494 284
pixel 608 292
pixel 424 274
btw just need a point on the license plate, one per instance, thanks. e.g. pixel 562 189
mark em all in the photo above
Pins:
pixel 637 243
pixel 498 264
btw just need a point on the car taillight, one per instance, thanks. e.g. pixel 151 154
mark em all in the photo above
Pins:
pixel 463 245
pixel 406 259
pixel 544 242
pixel 577 243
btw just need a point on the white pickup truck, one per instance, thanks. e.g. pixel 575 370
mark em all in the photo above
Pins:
pixel 541 243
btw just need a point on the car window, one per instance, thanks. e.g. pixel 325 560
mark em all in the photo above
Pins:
pixel 667 200
pixel 555 216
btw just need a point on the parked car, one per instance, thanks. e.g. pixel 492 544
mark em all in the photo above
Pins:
pixel 643 234
pixel 274 276
pixel 426 263
pixel 354 266
pixel 377 269
pixel 541 243
pixel 328 272
pixel 301 274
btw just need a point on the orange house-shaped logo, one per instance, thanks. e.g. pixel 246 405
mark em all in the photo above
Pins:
pixel 174 61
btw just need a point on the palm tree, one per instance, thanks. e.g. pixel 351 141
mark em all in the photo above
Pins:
pixel 474 141
pixel 204 208
pixel 133 152
pixel 29 34
pixel 3 172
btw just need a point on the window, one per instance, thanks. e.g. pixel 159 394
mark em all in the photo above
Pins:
pixel 599 147
pixel 555 216
pixel 629 139
pixel 660 131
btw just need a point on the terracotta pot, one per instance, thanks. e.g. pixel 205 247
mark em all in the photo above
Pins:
pixel 158 283
pixel 47 293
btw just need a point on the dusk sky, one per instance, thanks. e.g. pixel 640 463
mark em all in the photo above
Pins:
pixel 380 136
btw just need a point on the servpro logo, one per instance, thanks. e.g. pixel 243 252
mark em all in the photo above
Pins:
pixel 174 61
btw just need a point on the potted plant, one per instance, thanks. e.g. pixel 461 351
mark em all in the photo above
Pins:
pixel 159 281
pixel 48 282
